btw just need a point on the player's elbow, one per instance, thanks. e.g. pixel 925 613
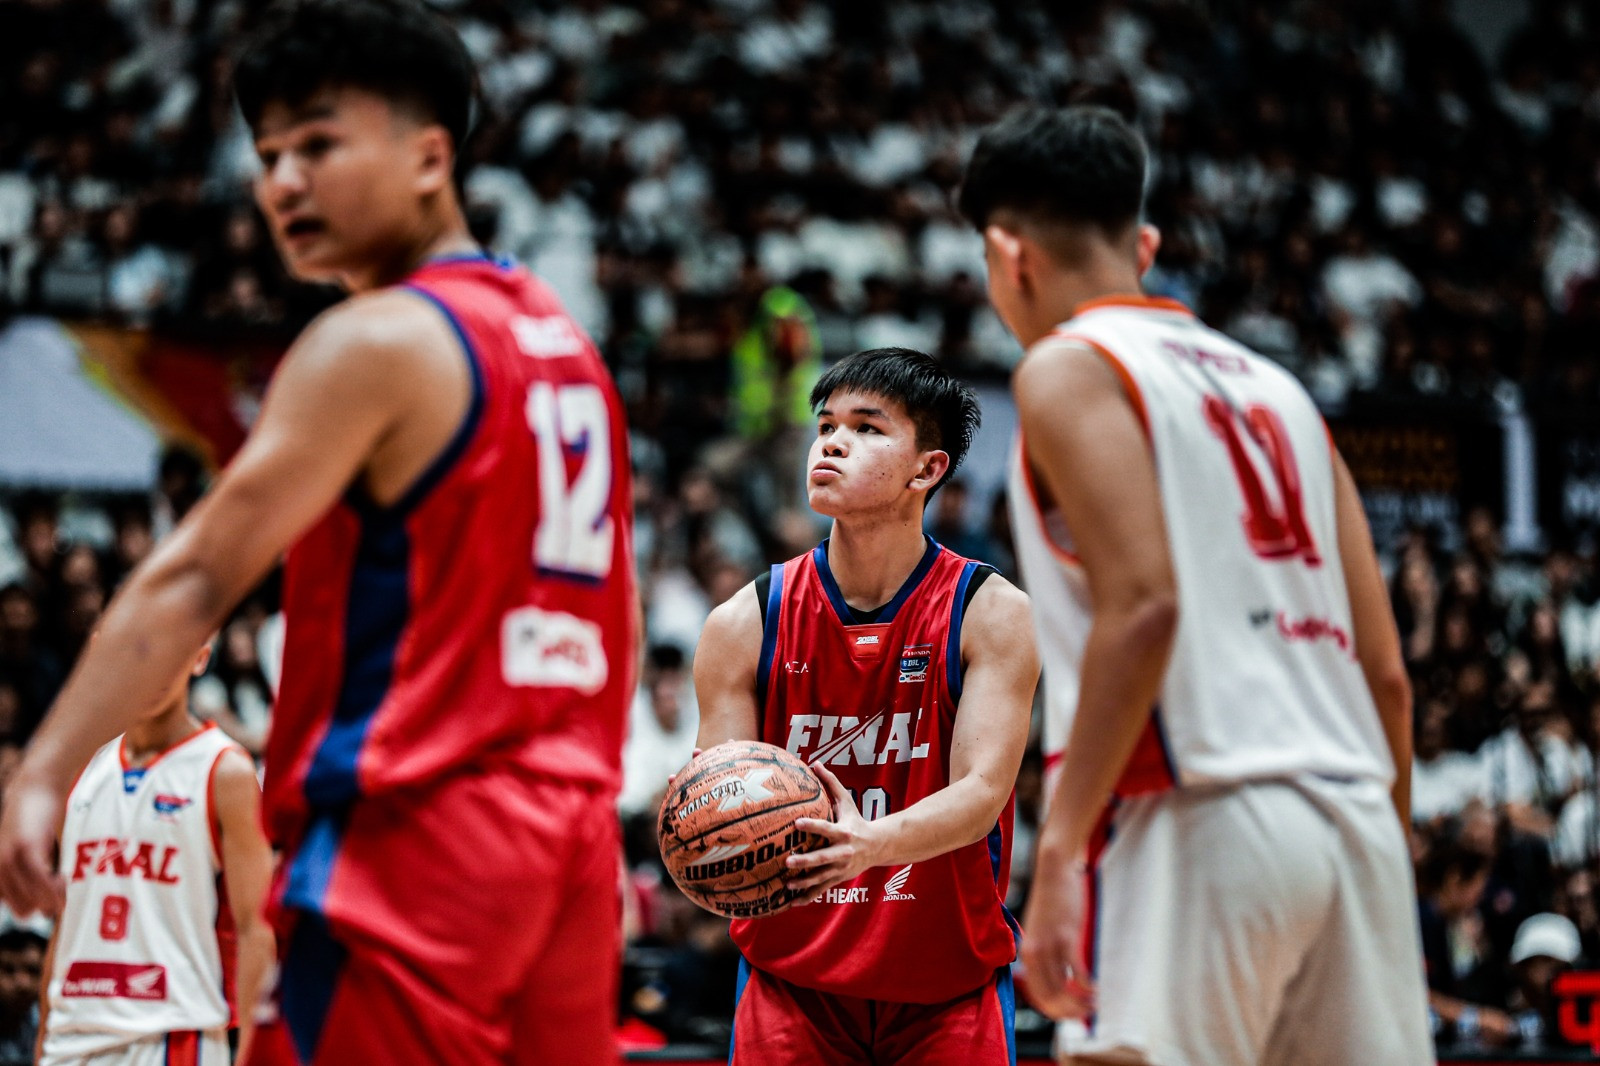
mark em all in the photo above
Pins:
pixel 1152 621
pixel 1391 691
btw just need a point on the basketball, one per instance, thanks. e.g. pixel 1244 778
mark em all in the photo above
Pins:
pixel 727 825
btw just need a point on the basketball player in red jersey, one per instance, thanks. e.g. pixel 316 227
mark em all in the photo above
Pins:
pixel 445 456
pixel 905 675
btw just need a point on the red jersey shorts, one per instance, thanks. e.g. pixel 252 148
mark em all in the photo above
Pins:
pixel 471 922
pixel 776 1023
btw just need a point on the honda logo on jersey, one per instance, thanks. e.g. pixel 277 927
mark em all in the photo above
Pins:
pixel 844 741
pixel 894 888
pixel 115 980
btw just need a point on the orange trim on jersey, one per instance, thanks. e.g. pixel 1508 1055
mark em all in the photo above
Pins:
pixel 1129 385
pixel 122 748
pixel 1036 502
pixel 1138 301
pixel 212 821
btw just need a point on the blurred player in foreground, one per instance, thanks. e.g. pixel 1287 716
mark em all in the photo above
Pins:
pixel 904 674
pixel 447 456
pixel 166 872
pixel 1222 879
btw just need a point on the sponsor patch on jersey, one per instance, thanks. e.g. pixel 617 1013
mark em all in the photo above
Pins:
pixel 547 337
pixel 115 980
pixel 132 779
pixel 863 641
pixel 895 887
pixel 552 649
pixel 914 659
pixel 168 805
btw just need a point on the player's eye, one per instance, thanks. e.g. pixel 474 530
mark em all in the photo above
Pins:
pixel 269 159
pixel 824 428
pixel 868 427
pixel 316 146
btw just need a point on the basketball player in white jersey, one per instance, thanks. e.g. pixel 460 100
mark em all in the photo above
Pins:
pixel 166 871
pixel 1222 878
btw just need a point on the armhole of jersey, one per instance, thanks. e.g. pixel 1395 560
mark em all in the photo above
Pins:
pixel 1130 385
pixel 213 819
pixel 769 595
pixel 973 575
pixel 435 471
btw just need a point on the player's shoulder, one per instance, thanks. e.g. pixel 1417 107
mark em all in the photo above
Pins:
pixel 997 602
pixel 732 620
pixel 380 332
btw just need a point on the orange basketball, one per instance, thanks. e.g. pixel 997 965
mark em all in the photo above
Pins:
pixel 727 825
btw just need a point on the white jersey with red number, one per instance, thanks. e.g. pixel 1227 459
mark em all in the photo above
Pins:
pixel 145 941
pixel 1263 680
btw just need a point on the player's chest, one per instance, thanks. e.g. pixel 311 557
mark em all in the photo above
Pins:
pixel 135 828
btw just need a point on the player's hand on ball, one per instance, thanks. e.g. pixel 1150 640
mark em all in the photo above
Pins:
pixel 851 846
pixel 32 814
pixel 672 778
pixel 1053 951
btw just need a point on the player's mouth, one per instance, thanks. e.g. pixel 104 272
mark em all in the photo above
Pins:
pixel 825 472
pixel 299 230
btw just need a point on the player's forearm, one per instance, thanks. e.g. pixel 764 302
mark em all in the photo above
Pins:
pixel 147 637
pixel 959 814
pixel 255 956
pixel 1391 692
pixel 1124 661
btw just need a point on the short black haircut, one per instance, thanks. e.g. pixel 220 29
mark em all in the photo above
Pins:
pixel 944 410
pixel 1082 165
pixel 396 49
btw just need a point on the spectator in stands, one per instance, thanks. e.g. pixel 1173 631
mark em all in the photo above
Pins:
pixel 1461 978
pixel 661 732
pixel 1546 946
pixel 21 960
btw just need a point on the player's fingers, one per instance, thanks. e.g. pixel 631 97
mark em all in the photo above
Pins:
pixel 837 855
pixel 841 795
pixel 817 827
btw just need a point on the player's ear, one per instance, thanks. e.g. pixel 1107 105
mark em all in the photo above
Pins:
pixel 201 661
pixel 934 466
pixel 435 159
pixel 1149 245
pixel 1005 254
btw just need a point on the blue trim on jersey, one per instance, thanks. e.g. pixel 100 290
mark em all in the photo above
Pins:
pixel 377 610
pixel 1166 746
pixel 312 866
pixel 996 842
pixel 442 463
pixel 819 555
pixel 312 966
pixel 769 635
pixel 952 650
pixel 1005 989
pixel 738 994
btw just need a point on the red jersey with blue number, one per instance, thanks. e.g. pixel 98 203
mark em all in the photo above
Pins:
pixel 488 616
pixel 877 704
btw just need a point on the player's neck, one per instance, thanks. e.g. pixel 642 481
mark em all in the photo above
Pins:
pixel 871 560
pixel 148 739
pixel 441 237
pixel 1060 294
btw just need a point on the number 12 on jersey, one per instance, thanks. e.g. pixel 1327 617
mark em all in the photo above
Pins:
pixel 1275 528
pixel 575 531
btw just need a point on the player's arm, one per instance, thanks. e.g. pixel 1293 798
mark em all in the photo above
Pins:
pixel 1377 638
pixel 1098 469
pixel 340 391
pixel 725 664
pixel 247 871
pixel 1001 670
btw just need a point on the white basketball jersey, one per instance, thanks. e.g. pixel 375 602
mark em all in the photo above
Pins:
pixel 1263 680
pixel 145 942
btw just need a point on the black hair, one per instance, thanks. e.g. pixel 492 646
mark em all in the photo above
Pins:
pixel 944 410
pixel 1083 164
pixel 17 939
pixel 397 49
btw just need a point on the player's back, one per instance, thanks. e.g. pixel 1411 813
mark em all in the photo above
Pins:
pixel 145 940
pixel 488 615
pixel 1263 680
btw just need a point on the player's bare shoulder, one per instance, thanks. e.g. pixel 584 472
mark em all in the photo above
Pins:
pixel 999 623
pixel 731 639
pixel 381 333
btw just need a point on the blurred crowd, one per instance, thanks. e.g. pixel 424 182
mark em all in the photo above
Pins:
pixel 730 193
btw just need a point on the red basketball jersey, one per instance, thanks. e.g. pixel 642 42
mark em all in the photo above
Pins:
pixel 876 703
pixel 488 616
